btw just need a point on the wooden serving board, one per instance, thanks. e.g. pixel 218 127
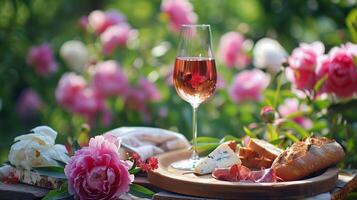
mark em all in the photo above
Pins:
pixel 185 182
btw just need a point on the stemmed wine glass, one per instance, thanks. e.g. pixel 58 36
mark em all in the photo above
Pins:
pixel 194 76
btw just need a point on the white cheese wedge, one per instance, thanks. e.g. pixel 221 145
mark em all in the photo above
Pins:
pixel 222 156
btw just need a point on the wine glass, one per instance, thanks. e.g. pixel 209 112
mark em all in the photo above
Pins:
pixel 195 77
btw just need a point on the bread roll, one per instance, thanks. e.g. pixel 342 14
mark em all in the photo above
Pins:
pixel 306 157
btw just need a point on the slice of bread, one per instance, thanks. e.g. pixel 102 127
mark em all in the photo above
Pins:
pixel 264 149
pixel 247 152
pixel 256 162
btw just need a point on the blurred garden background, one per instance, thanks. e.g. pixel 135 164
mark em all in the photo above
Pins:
pixel 109 64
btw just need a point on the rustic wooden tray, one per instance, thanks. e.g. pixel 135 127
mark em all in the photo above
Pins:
pixel 184 182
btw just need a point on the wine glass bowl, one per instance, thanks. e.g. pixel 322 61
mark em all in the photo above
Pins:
pixel 194 76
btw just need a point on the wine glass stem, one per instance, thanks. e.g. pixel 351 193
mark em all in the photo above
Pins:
pixel 194 132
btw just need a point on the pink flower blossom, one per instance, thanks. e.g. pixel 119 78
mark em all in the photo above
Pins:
pixel 292 106
pixel 115 36
pixel 41 58
pixel 88 103
pixel 302 65
pixel 83 22
pixel 149 89
pixel 28 104
pixel 135 99
pixel 231 50
pixel 341 72
pixel 69 86
pixel 96 171
pixel 249 85
pixel 99 21
pixel 109 80
pixel 179 12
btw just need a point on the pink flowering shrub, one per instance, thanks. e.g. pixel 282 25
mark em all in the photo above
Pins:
pixel 109 80
pixel 337 70
pixel 96 171
pixel 249 85
pixel 99 20
pixel 302 65
pixel 231 50
pixel 68 88
pixel 149 89
pixel 179 12
pixel 88 103
pixel 341 71
pixel 28 104
pixel 115 36
pixel 291 106
pixel 42 60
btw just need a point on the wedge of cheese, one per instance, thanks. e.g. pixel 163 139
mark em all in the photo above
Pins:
pixel 222 156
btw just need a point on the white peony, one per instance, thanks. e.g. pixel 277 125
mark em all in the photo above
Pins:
pixel 269 54
pixel 37 149
pixel 74 53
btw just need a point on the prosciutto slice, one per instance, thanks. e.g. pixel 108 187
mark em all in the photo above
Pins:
pixel 240 173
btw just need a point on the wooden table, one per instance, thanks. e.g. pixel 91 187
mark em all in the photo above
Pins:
pixel 347 182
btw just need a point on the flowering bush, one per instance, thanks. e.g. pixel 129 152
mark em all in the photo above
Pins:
pixel 110 65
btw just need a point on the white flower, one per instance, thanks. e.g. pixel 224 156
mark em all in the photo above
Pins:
pixel 74 53
pixel 37 149
pixel 268 53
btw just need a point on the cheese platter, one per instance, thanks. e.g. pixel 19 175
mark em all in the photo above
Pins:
pixel 213 178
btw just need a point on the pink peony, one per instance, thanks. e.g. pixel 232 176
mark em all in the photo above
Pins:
pixel 115 36
pixel 249 85
pixel 291 106
pixel 179 12
pixel 135 99
pixel 96 171
pixel 231 50
pixel 41 58
pixel 149 89
pixel 341 72
pixel 28 104
pixel 99 21
pixel 88 103
pixel 83 22
pixel 69 86
pixel 302 64
pixel 109 80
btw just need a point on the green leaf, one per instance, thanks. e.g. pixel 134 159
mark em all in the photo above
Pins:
pixel 351 22
pixel 206 148
pixel 59 193
pixel 134 171
pixel 229 138
pixel 56 172
pixel 207 140
pixel 140 191
pixel 248 132
pixel 291 137
pixel 296 127
pixel 319 83
pixel 276 141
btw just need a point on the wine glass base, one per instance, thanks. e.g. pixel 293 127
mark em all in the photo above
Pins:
pixel 188 164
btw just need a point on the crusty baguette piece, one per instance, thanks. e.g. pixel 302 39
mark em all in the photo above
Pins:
pixel 256 162
pixel 264 149
pixel 247 152
pixel 306 157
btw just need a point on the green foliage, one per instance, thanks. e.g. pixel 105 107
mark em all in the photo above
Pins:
pixel 25 23
pixel 60 193
pixel 140 191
